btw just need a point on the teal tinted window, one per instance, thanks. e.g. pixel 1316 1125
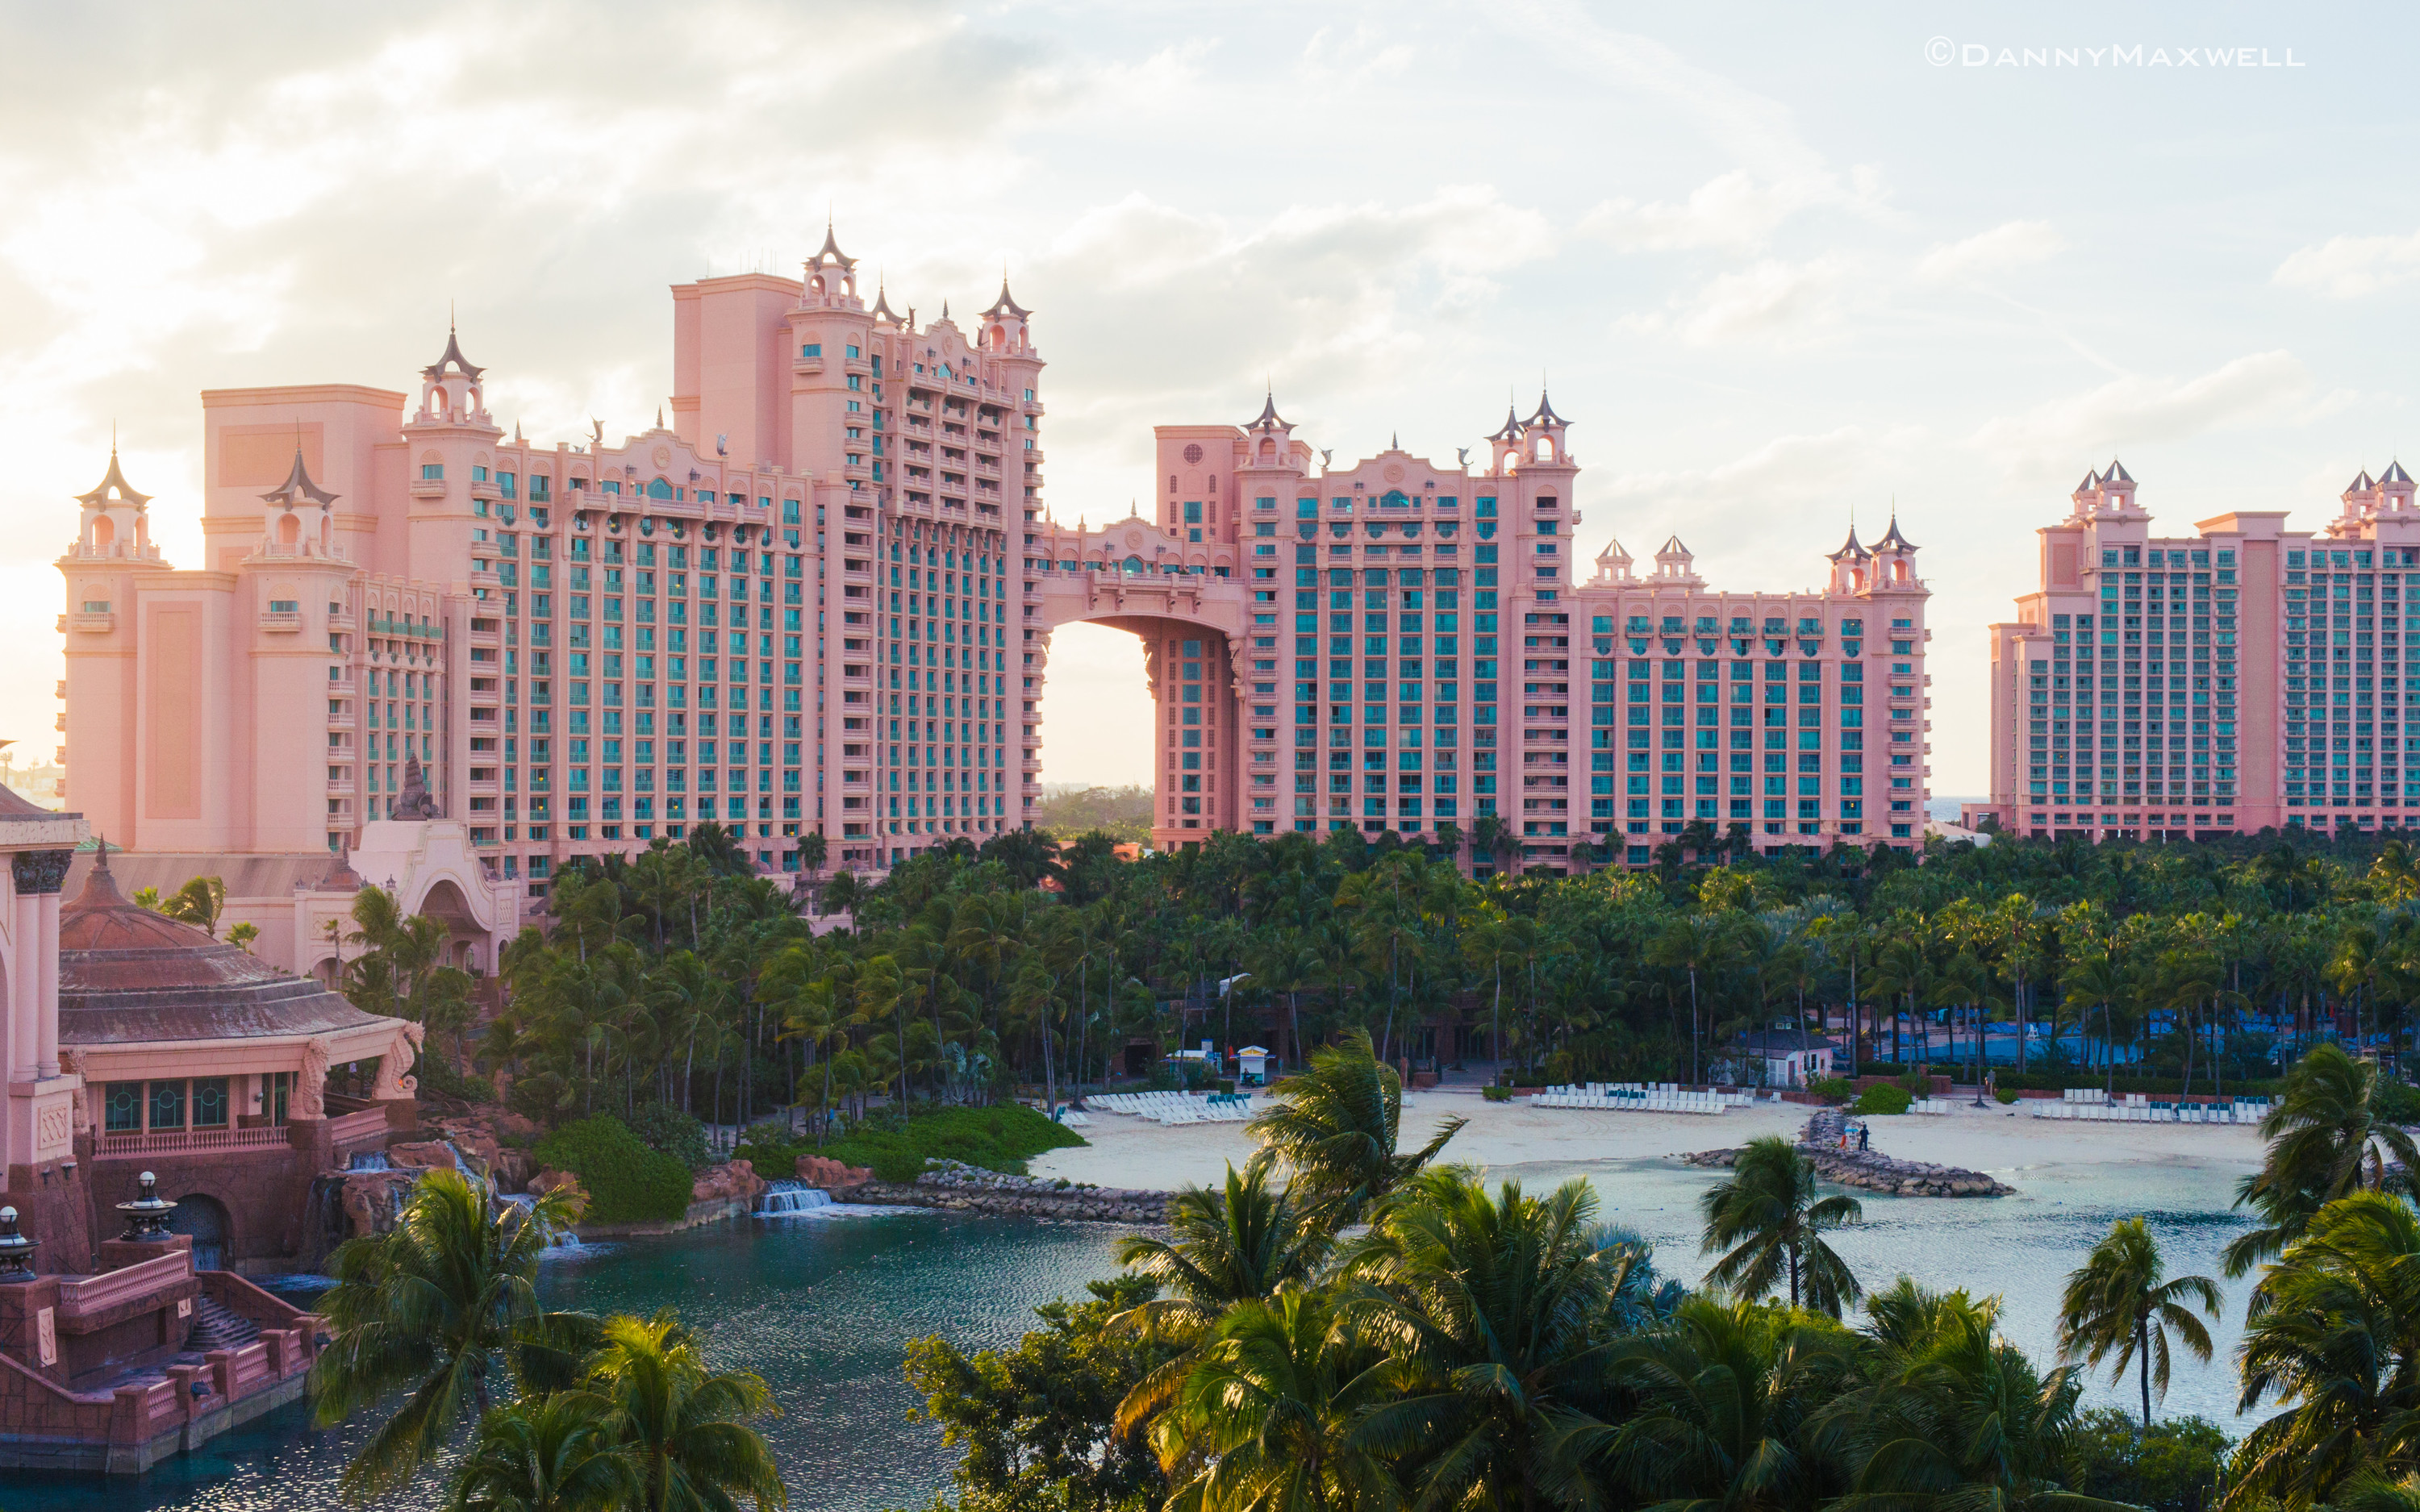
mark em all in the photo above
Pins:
pixel 168 1105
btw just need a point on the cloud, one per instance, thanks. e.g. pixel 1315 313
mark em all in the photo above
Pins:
pixel 2015 244
pixel 1786 470
pixel 2053 438
pixel 2347 268
pixel 1771 302
pixel 1734 210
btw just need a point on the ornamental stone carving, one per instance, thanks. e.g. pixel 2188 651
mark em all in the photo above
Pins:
pixel 40 872
pixel 311 1086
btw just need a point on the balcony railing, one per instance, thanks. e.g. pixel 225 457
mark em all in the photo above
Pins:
pixel 189 1141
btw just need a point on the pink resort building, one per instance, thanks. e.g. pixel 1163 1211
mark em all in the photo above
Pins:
pixel 2241 678
pixel 820 600
pixel 173 1105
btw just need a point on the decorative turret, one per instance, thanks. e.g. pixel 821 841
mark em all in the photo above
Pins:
pixel 831 274
pixel 2395 485
pixel 1852 565
pixel 882 310
pixel 1506 442
pixel 117 519
pixel 1894 563
pixel 451 393
pixel 1541 437
pixel 1003 324
pixel 1676 564
pixel 298 517
pixel 2362 497
pixel 1613 566
pixel 2087 496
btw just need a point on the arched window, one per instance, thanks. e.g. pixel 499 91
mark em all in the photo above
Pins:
pixel 289 530
pixel 1134 564
pixel 660 489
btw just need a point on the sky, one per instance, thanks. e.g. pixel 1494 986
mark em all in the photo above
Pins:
pixel 1778 267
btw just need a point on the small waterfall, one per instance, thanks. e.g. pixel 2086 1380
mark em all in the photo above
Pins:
pixel 782 1200
pixel 368 1160
pixel 560 1239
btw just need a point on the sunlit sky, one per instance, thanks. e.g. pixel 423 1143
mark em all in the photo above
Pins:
pixel 1777 266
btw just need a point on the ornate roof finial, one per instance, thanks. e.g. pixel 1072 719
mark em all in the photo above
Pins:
pixel 297 487
pixel 830 249
pixel 113 488
pixel 453 357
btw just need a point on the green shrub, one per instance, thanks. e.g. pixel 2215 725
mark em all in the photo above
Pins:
pixel 2398 1103
pixel 1000 1138
pixel 1884 1097
pixel 2004 1096
pixel 1832 1088
pixel 668 1131
pixel 2173 1466
pixel 1497 1094
pixel 627 1183
pixel 1918 1080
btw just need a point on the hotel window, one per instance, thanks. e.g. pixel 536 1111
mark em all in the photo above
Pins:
pixel 122 1108
pixel 165 1105
pixel 432 472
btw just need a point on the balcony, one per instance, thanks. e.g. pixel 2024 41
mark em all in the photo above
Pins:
pixel 429 488
pixel 190 1141
pixel 277 623
pixel 100 623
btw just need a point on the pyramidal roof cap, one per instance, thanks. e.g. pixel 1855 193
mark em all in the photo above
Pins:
pixel 882 310
pixel 452 359
pixel 1005 305
pixel 113 488
pixel 297 486
pixel 1852 550
pixel 2395 473
pixel 1268 419
pixel 830 249
pixel 2116 473
pixel 2360 484
pixel 1894 540
pixel 1545 415
pixel 1512 428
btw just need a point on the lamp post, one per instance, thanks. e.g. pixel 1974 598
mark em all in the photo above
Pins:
pixel 147 1216
pixel 16 1250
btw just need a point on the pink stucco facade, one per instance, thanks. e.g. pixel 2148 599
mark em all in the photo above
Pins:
pixel 2242 677
pixel 820 598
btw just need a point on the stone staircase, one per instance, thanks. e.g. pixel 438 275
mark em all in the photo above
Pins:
pixel 218 1327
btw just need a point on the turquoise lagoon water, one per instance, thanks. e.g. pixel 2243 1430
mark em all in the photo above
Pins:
pixel 823 1307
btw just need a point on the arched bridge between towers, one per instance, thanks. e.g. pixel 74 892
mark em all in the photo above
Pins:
pixel 1192 607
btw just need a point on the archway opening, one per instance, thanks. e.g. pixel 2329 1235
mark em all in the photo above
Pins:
pixel 204 1218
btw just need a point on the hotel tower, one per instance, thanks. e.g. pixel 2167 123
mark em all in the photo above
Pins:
pixel 820 600
pixel 2242 677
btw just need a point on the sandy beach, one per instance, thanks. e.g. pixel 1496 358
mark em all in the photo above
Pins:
pixel 1515 1139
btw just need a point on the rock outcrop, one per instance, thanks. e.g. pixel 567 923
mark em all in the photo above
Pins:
pixel 961 1188
pixel 831 1175
pixel 1870 1170
pixel 735 1182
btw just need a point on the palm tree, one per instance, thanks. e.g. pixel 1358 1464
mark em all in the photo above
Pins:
pixel 1722 1397
pixel 545 1454
pixel 2327 1138
pixel 1336 1127
pixel 1495 1308
pixel 429 1308
pixel 1693 943
pixel 684 1427
pixel 1772 1219
pixel 1269 1416
pixel 2337 1345
pixel 2116 1305
pixel 1243 1243
pixel 1949 1415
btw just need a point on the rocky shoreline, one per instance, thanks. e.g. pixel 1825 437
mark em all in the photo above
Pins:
pixel 959 1188
pixel 1870 1170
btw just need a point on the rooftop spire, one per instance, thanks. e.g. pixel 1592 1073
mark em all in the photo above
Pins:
pixel 1005 305
pixel 830 249
pixel 297 487
pixel 1894 540
pixel 453 360
pixel 113 488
